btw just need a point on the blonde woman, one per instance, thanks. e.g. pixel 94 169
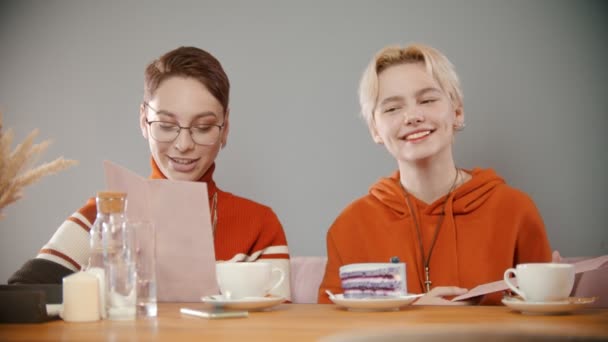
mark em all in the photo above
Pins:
pixel 454 228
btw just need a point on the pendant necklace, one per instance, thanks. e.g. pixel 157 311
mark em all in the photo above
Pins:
pixel 427 259
pixel 214 212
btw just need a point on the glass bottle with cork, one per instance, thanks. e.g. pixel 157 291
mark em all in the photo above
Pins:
pixel 110 259
pixel 119 261
pixel 108 204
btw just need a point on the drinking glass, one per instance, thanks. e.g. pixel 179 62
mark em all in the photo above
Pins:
pixel 145 267
pixel 120 270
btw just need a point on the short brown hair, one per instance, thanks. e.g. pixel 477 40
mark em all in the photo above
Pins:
pixel 190 62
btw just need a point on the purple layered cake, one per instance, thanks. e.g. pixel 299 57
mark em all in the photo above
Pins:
pixel 373 280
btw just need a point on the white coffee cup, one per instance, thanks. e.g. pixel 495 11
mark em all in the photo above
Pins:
pixel 364 280
pixel 247 279
pixel 542 282
pixel 80 298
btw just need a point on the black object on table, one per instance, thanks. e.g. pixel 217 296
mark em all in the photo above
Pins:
pixel 27 303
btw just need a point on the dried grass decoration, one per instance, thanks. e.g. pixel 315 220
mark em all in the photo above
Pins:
pixel 15 167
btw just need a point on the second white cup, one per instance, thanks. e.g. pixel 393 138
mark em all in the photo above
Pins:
pixel 542 282
pixel 248 279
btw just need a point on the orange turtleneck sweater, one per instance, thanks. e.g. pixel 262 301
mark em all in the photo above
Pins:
pixel 245 231
pixel 488 227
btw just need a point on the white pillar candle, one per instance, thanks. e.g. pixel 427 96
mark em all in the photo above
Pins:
pixel 80 298
pixel 101 277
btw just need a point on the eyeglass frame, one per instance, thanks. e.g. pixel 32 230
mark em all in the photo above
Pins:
pixel 146 104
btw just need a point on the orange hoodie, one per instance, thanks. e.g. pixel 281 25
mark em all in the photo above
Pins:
pixel 488 227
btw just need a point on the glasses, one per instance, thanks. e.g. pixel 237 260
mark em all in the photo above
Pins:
pixel 163 131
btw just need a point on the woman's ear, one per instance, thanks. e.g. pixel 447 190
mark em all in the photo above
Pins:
pixel 226 128
pixel 459 118
pixel 374 132
pixel 142 121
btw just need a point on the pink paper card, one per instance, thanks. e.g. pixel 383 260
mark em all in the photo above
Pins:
pixel 185 256
pixel 500 285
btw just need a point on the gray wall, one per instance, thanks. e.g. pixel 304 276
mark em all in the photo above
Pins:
pixel 533 73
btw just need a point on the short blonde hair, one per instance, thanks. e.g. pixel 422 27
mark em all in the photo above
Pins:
pixel 436 63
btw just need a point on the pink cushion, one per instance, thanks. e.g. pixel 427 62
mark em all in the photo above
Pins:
pixel 591 283
pixel 306 276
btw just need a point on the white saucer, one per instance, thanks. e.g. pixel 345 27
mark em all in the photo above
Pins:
pixel 548 308
pixel 247 303
pixel 374 304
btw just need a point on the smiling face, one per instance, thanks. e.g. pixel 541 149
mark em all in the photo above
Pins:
pixel 185 102
pixel 413 117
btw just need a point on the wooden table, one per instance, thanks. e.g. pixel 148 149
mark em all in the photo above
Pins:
pixel 311 322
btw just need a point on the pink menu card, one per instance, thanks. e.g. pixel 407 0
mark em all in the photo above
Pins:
pixel 185 256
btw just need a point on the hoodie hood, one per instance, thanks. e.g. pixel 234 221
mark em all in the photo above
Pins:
pixel 465 199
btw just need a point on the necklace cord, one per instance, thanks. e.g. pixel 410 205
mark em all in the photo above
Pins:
pixel 214 212
pixel 427 260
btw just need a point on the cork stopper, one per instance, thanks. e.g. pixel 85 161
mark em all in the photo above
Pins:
pixel 109 202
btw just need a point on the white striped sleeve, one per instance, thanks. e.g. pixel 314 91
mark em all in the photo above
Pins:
pixel 256 255
pixel 69 246
pixel 82 219
pixel 275 250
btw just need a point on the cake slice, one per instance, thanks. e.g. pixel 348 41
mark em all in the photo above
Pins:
pixel 373 280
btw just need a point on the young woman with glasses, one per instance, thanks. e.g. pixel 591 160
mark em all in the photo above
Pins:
pixel 185 119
